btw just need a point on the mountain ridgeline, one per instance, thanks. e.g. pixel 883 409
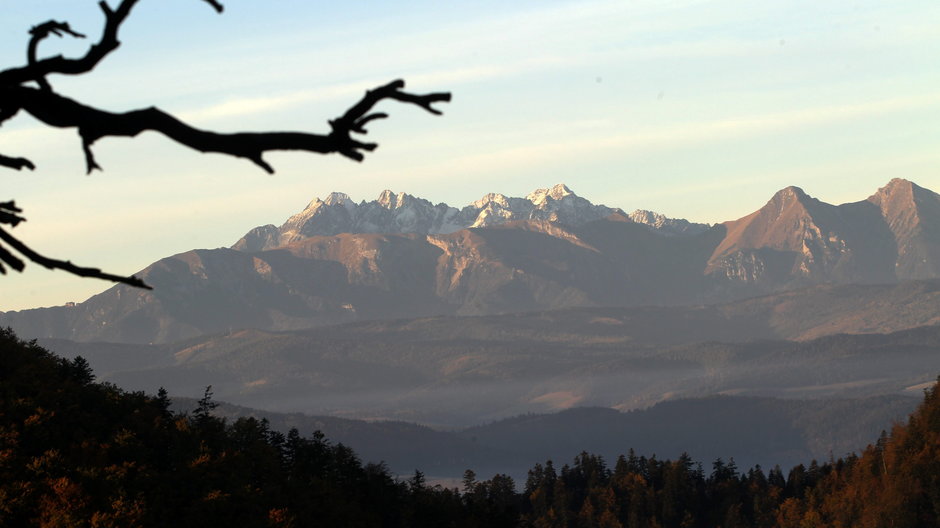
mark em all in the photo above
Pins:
pixel 403 257
pixel 403 213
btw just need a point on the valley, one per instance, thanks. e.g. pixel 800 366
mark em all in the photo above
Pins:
pixel 401 323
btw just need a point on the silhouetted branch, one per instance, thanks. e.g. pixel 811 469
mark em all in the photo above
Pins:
pixel 59 64
pixel 38 69
pixel 11 260
pixel 93 124
pixel 218 7
pixel 355 119
pixel 16 163
pixel 40 32
pixel 49 263
pixel 8 214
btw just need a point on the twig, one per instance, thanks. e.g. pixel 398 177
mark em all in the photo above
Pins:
pixel 94 124
pixel 52 264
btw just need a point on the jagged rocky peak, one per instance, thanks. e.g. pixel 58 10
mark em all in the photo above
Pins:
pixel 312 206
pixel 901 193
pixel 557 192
pixel 337 198
pixel 665 225
pixel 491 198
pixel 390 200
pixel 898 185
pixel 912 213
pixel 789 194
pixel 403 213
pixel 650 218
pixel 258 238
pixel 792 199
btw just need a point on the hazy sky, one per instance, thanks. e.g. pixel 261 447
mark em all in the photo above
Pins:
pixel 695 109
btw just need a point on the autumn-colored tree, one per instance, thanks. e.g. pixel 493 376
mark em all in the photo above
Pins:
pixel 78 453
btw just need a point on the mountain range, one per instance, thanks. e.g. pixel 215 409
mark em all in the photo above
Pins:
pixel 401 257
pixel 404 213
pixel 547 322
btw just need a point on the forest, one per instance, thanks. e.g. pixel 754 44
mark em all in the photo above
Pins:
pixel 78 453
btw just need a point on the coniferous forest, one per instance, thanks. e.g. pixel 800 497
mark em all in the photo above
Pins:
pixel 76 453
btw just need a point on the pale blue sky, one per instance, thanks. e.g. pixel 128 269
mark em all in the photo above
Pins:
pixel 694 109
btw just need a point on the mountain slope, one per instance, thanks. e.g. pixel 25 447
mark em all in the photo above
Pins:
pixel 548 251
pixel 797 240
pixel 520 266
pixel 911 213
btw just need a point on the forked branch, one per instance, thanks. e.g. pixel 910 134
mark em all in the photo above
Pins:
pixel 37 70
pixel 53 264
pixel 10 215
pixel 38 34
pixel 92 124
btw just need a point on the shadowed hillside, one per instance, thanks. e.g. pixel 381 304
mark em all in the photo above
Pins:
pixel 753 431
pixel 463 371
pixel 74 450
pixel 550 251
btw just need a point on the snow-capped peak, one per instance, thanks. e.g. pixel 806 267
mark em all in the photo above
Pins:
pixel 668 226
pixel 390 200
pixel 337 198
pixel 557 192
pixel 387 199
pixel 491 198
pixel 404 213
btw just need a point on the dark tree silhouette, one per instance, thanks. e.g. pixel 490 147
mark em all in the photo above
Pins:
pixel 27 88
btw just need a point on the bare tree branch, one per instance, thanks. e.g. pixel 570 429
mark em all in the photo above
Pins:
pixel 93 124
pixel 11 260
pixel 40 32
pixel 8 214
pixel 59 64
pixel 7 112
pixel 16 163
pixel 49 263
pixel 218 7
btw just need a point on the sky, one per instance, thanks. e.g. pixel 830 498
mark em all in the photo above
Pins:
pixel 694 109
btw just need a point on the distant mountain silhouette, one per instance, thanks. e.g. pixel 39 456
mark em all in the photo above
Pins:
pixel 764 431
pixel 550 250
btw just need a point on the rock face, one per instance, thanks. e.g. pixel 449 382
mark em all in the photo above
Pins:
pixel 796 239
pixel 667 226
pixel 912 215
pixel 518 266
pixel 404 213
pixel 401 257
